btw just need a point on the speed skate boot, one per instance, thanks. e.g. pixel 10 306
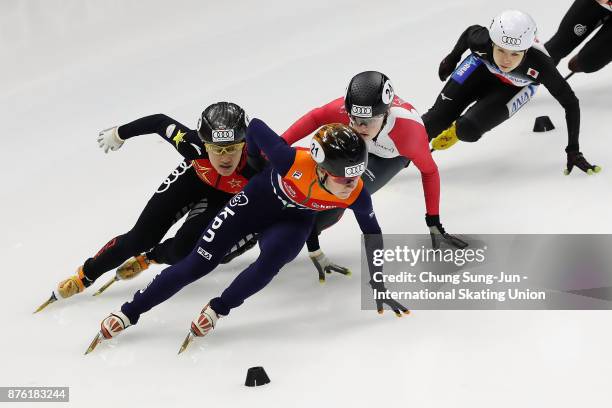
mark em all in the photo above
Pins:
pixel 201 326
pixel 129 270
pixel 133 266
pixel 68 288
pixel 110 327
pixel 445 139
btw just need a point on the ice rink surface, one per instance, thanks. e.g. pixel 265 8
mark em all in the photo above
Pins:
pixel 73 67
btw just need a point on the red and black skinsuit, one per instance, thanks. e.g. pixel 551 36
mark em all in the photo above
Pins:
pixel 194 188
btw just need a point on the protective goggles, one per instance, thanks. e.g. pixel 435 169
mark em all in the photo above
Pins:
pixel 342 180
pixel 356 121
pixel 219 150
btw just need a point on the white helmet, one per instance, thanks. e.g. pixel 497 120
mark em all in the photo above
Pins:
pixel 513 30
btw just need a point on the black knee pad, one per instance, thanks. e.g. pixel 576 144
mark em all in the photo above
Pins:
pixel 435 123
pixel 587 64
pixel 137 242
pixel 178 250
pixel 467 131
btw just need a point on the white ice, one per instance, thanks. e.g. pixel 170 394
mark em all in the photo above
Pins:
pixel 70 68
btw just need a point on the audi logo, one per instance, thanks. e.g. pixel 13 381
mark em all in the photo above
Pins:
pixel 361 111
pixel 223 135
pixel 354 171
pixel 511 40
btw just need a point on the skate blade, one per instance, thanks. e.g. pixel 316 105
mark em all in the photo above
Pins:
pixel 94 343
pixel 186 342
pixel 106 286
pixel 47 303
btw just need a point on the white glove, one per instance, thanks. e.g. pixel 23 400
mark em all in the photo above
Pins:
pixel 324 265
pixel 109 139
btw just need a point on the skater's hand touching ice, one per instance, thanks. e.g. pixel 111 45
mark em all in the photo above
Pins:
pixel 438 234
pixel 394 305
pixel 324 265
pixel 575 158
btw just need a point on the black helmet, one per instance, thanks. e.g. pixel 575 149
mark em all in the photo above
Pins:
pixel 369 93
pixel 223 123
pixel 339 150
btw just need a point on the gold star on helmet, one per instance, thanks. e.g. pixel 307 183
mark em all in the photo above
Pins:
pixel 179 138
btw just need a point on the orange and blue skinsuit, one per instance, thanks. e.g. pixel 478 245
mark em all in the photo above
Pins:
pixel 279 204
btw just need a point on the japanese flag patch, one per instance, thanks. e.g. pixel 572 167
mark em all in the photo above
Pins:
pixel 533 73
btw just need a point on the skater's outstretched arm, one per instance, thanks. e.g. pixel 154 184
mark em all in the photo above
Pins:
pixel 558 87
pixel 410 137
pixel 260 136
pixel 332 112
pixel 366 218
pixel 186 141
pixel 474 37
pixel 364 213
pixel 373 242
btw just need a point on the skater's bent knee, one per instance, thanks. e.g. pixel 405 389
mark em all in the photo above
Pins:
pixel 467 130
pixel 137 242
pixel 177 251
pixel 269 265
pixel 198 263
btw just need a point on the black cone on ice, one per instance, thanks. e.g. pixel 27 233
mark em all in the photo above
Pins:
pixel 543 124
pixel 256 376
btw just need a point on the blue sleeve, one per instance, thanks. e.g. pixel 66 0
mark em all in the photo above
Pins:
pixel 372 234
pixel 186 141
pixel 261 137
pixel 364 213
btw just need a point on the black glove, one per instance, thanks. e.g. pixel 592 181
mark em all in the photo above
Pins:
pixel 394 305
pixel 324 266
pixel 447 66
pixel 437 233
pixel 575 158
